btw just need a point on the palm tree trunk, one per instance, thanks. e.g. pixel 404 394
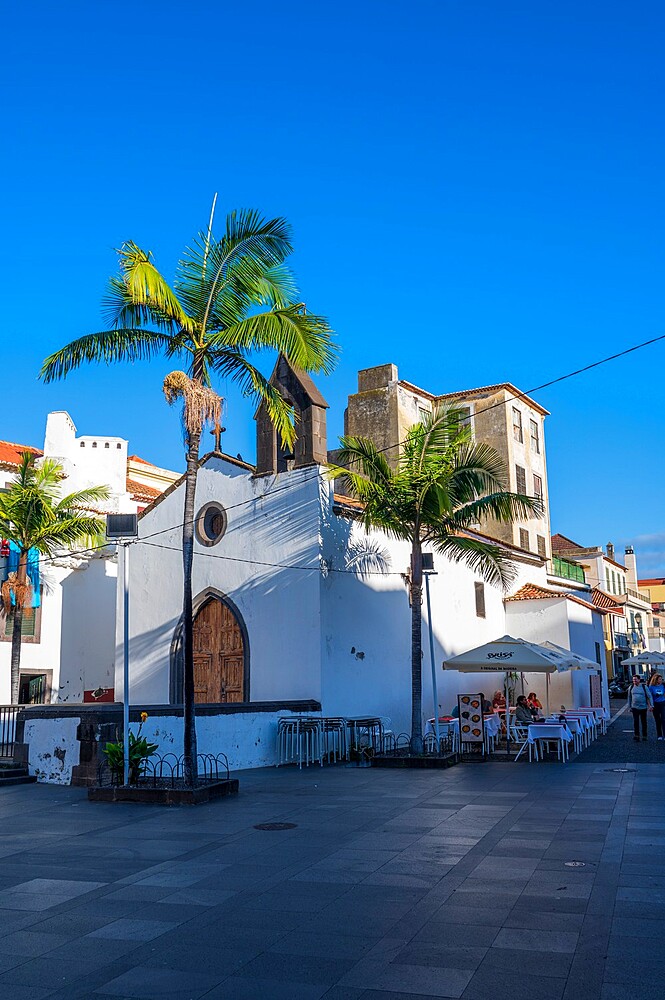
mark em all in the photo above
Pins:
pixel 416 649
pixel 16 653
pixel 189 711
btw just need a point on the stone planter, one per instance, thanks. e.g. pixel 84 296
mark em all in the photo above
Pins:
pixel 164 795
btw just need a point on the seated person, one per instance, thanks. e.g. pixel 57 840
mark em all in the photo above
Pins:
pixel 455 712
pixel 523 712
pixel 498 701
pixel 534 704
pixel 488 707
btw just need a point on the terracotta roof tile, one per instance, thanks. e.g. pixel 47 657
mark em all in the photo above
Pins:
pixel 139 491
pixel 562 544
pixel 658 581
pixel 534 592
pixel 137 458
pixel 10 453
pixel 601 599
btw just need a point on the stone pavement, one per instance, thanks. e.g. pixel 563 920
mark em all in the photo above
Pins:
pixel 392 884
pixel 619 745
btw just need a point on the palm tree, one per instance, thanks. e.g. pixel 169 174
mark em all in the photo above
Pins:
pixel 443 485
pixel 33 517
pixel 232 296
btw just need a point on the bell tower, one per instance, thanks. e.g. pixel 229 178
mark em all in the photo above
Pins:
pixel 310 407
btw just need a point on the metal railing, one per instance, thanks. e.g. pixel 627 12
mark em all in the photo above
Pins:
pixel 8 715
pixel 620 640
pixel 638 595
pixel 656 633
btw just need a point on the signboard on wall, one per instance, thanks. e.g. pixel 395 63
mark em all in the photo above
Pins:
pixel 471 718
pixel 596 691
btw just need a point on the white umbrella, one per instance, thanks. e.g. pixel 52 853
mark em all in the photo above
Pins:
pixel 508 654
pixel 574 661
pixel 648 658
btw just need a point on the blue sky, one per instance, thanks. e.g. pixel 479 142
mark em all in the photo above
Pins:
pixel 476 191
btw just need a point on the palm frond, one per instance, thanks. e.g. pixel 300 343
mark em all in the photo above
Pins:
pixel 121 310
pixel 82 499
pixel 209 266
pixel 233 365
pixel 503 507
pixel 303 338
pixel 106 347
pixel 147 287
pixel 360 455
pixel 489 561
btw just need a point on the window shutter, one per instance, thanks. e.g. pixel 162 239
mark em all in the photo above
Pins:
pixel 480 599
pixel 27 624
pixel 520 477
pixel 542 549
pixel 524 539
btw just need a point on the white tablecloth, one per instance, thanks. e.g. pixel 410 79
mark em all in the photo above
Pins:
pixel 549 731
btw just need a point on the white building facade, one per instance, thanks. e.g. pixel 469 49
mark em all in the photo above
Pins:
pixel 68 647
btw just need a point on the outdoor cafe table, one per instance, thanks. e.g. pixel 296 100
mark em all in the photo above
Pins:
pixel 368 727
pixel 576 727
pixel 588 720
pixel 557 732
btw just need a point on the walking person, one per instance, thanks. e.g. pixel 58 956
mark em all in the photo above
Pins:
pixel 657 689
pixel 639 701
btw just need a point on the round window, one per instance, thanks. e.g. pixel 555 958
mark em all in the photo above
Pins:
pixel 211 524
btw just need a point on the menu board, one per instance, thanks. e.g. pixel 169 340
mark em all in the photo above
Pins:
pixel 470 718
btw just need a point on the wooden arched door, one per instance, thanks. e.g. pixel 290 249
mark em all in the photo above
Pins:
pixel 219 656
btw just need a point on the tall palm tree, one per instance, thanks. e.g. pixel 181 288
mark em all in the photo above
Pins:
pixel 444 483
pixel 232 296
pixel 34 516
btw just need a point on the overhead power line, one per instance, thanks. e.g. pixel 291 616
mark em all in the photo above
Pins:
pixel 316 474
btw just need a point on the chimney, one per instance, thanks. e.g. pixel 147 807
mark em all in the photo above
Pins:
pixel 609 548
pixel 631 568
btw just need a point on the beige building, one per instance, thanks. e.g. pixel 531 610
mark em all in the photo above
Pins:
pixel 385 406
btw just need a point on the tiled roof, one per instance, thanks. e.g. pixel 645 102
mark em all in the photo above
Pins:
pixel 137 458
pixel 534 592
pixel 562 544
pixel 139 491
pixel 601 599
pixel 10 453
pixel 658 581
pixel 489 389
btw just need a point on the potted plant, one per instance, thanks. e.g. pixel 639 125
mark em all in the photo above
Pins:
pixel 139 752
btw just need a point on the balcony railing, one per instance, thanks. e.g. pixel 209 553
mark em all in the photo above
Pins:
pixel 620 640
pixel 638 595
pixel 567 570
pixel 656 633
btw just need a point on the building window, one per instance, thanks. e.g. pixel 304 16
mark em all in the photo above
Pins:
pixel 106 444
pixel 614 583
pixel 30 626
pixel 535 437
pixel 520 477
pixel 597 645
pixel 211 524
pixel 82 444
pixel 517 425
pixel 538 487
pixel 480 599
pixel 607 579
pixel 423 414
pixel 524 539
pixel 542 547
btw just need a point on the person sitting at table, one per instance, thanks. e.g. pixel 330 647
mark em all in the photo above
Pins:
pixel 455 712
pixel 535 705
pixel 523 713
pixel 488 707
pixel 498 700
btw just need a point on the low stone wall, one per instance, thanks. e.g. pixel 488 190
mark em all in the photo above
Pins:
pixel 65 741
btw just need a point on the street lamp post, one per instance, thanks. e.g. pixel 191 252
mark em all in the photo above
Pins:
pixel 428 570
pixel 123 528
